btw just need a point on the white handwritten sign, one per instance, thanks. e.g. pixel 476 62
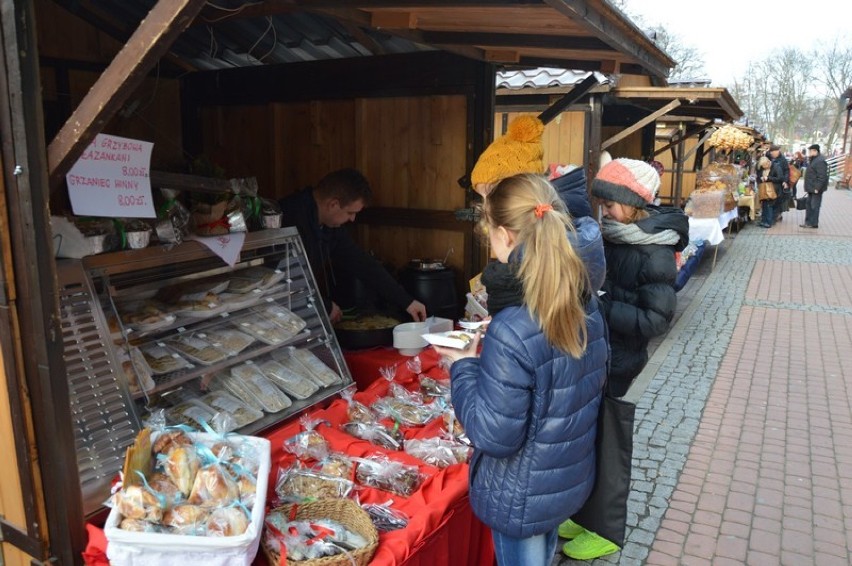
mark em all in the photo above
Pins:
pixel 228 246
pixel 111 178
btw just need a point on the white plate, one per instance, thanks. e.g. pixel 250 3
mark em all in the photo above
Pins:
pixel 450 339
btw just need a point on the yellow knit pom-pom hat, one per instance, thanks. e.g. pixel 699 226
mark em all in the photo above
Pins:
pixel 519 151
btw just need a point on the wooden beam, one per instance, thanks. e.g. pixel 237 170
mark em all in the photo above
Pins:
pixel 585 14
pixel 166 20
pixel 610 66
pixel 701 142
pixel 393 20
pixel 640 124
pixel 515 40
pixel 502 56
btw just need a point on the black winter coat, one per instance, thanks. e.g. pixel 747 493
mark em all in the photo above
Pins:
pixel 779 173
pixel 640 296
pixel 332 250
pixel 816 178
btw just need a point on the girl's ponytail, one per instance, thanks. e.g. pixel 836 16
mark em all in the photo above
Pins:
pixel 554 278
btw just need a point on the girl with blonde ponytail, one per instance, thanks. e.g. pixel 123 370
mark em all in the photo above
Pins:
pixel 529 401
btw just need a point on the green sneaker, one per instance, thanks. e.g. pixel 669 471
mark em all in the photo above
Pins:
pixel 588 546
pixel 569 529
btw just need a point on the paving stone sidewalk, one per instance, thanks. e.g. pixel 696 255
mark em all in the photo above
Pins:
pixel 743 437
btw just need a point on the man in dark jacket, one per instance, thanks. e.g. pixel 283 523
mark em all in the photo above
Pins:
pixel 816 183
pixel 319 214
pixel 779 175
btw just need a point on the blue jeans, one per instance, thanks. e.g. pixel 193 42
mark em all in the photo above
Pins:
pixel 767 212
pixel 533 551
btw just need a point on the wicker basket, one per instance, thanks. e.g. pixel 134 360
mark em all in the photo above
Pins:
pixel 347 513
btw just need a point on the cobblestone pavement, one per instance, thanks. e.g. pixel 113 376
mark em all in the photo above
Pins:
pixel 743 437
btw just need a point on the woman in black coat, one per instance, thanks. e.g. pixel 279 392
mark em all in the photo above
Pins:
pixel 640 241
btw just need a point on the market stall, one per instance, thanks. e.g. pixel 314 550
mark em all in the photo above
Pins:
pixel 95 344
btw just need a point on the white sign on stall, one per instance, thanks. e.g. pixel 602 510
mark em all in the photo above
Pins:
pixel 228 247
pixel 111 178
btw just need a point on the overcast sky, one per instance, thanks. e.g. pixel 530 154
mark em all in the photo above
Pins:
pixel 729 33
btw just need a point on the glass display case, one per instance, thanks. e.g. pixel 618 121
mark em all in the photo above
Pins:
pixel 177 333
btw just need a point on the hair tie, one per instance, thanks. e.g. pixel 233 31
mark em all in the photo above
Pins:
pixel 540 209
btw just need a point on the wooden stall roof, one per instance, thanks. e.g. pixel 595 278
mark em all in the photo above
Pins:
pixel 710 103
pixel 587 35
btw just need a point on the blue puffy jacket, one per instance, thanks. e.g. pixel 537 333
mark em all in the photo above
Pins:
pixel 530 411
pixel 587 241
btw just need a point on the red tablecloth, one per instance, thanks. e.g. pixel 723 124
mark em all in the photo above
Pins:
pixel 442 529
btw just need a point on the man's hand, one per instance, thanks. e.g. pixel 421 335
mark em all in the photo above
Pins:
pixel 454 354
pixel 417 310
pixel 336 314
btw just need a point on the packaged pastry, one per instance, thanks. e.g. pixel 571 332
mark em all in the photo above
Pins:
pixel 452 425
pixel 139 526
pixel 144 316
pixel 187 519
pixel 161 360
pixel 289 381
pixel 282 317
pixel 240 413
pixel 375 433
pixel 224 381
pixel 197 349
pixel 435 389
pixel 267 276
pixel 385 518
pixel 309 443
pixel 336 465
pixel 192 413
pixel 264 329
pixel 213 487
pixel 305 363
pixel 231 340
pixel 139 502
pixel 438 452
pixel 169 440
pixel 181 466
pixel 194 290
pixel 397 391
pixel 298 484
pixel 135 369
pixel 205 307
pixel 388 475
pixel 249 379
pixel 356 411
pixel 308 540
pixel 404 413
pixel 227 522
pixel 237 301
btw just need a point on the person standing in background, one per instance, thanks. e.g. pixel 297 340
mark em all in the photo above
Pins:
pixel 816 183
pixel 779 175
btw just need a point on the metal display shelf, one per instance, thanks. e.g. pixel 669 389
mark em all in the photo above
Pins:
pixel 107 411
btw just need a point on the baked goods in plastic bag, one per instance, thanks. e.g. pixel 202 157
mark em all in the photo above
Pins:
pixel 308 540
pixel 375 433
pixel 227 522
pixel 264 329
pixel 356 411
pixel 383 473
pixel 140 502
pixel 438 452
pixel 187 519
pixel 403 412
pixel 434 389
pixel 287 380
pixel 181 466
pixel 308 444
pixel 385 518
pixel 169 440
pixel 337 465
pixel 213 487
pixel 135 369
pixel 299 484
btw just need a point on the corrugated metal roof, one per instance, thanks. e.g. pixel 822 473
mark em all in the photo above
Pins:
pixel 544 77
pixel 288 37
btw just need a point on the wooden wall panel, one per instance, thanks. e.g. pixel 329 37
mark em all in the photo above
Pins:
pixel 63 35
pixel 630 147
pixel 563 140
pixel 412 149
pixel 399 244
pixel 152 114
pixel 668 181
